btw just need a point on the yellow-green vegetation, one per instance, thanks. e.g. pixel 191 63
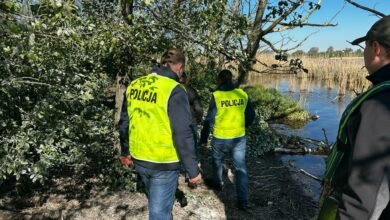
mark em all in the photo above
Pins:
pixel 348 73
pixel 298 116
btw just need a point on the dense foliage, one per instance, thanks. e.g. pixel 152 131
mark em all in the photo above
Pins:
pixel 56 67
pixel 59 61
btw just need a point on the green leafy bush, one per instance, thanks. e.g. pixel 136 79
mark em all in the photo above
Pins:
pixel 55 114
pixel 271 104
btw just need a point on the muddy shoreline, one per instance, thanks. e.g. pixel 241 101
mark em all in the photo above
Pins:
pixel 275 192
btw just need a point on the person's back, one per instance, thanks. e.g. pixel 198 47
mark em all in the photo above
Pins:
pixel 230 117
pixel 230 111
pixel 155 129
pixel 147 99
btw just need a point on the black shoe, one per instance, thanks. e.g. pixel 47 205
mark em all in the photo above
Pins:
pixel 243 206
pixel 211 184
pixel 181 198
pixel 183 202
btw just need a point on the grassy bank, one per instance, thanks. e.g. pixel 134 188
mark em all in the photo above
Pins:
pixel 269 105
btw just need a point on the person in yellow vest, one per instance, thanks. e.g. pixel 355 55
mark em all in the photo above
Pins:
pixel 155 133
pixel 230 111
pixel 356 180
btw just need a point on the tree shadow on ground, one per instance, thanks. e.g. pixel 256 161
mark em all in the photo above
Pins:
pixel 68 198
pixel 273 192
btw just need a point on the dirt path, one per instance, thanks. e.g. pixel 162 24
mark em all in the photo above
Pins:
pixel 274 193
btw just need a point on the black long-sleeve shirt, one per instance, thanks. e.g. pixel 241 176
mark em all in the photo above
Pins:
pixel 180 120
pixel 195 104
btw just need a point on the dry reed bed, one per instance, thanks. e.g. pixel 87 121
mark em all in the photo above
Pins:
pixel 347 72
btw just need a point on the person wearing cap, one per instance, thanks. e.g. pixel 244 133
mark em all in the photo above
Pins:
pixel 230 112
pixel 356 179
pixel 155 133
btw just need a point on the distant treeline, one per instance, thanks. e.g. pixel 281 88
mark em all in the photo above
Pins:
pixel 330 52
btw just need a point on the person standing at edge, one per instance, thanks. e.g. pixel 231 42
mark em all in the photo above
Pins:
pixel 356 180
pixel 155 133
pixel 230 111
pixel 196 113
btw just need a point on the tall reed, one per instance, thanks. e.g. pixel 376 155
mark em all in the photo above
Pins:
pixel 348 72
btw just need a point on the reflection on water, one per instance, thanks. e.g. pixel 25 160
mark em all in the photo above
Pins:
pixel 317 97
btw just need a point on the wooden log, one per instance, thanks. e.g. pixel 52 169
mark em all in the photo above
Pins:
pixel 309 175
pixel 302 150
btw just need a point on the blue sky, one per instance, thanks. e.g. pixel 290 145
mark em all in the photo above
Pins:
pixel 352 23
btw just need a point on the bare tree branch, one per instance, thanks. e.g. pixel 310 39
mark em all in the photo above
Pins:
pixel 303 20
pixel 366 8
pixel 31 83
pixel 285 50
pixel 189 38
pixel 287 13
pixel 308 24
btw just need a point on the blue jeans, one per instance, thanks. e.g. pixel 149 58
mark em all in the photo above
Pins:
pixel 236 148
pixel 160 186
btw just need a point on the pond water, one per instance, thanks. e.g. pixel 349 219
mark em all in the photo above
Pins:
pixel 319 98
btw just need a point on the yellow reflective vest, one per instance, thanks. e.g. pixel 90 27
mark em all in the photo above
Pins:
pixel 230 116
pixel 150 132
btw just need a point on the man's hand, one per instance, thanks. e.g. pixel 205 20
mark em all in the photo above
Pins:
pixel 195 179
pixel 203 145
pixel 126 160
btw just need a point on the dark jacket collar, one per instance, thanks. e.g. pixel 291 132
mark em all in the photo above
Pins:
pixel 165 71
pixel 226 87
pixel 381 75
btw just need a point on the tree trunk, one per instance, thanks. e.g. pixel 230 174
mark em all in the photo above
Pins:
pixel 254 38
pixel 127 7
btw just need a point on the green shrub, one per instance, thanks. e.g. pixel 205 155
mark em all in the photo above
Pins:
pixel 271 104
pixel 55 115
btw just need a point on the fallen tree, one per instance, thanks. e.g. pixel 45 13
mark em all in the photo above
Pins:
pixel 301 145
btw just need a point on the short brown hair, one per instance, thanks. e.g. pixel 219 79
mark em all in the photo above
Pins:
pixel 173 56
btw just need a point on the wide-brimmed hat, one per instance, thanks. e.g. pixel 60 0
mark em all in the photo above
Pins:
pixel 380 32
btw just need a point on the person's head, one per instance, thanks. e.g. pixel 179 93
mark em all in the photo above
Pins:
pixel 377 50
pixel 175 60
pixel 225 77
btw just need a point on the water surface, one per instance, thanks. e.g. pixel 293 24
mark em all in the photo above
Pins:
pixel 320 98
